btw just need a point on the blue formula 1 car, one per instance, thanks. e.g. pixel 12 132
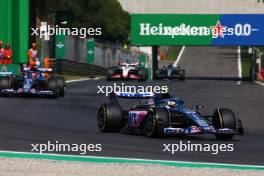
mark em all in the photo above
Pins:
pixel 170 72
pixel 164 115
pixel 34 82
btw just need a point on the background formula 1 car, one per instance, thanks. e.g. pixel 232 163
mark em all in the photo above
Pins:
pixel 166 115
pixel 170 72
pixel 37 81
pixel 127 71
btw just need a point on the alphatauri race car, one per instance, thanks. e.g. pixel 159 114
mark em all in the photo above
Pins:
pixel 165 115
pixel 124 71
pixel 170 72
pixel 32 81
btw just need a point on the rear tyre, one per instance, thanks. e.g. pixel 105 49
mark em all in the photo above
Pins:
pixel 61 86
pixel 224 118
pixel 142 73
pixel 182 74
pixel 110 73
pixel 157 75
pixel 5 83
pixel 110 118
pixel 53 86
pixel 156 122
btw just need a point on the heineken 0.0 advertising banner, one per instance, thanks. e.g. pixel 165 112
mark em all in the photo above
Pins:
pixel 197 29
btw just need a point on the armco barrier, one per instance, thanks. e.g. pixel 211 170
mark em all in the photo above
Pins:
pixel 69 66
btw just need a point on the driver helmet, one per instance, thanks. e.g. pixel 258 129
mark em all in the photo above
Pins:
pixel 34 75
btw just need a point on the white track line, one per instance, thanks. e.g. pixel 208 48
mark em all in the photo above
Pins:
pixel 239 64
pixel 131 159
pixel 179 57
pixel 79 80
pixel 259 83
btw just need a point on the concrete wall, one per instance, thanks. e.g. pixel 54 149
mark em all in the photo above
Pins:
pixel 193 6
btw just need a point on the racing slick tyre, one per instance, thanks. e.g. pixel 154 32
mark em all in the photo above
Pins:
pixel 17 82
pixel 53 86
pixel 157 75
pixel 156 122
pixel 5 83
pixel 182 75
pixel 110 118
pixel 61 86
pixel 142 73
pixel 110 72
pixel 224 118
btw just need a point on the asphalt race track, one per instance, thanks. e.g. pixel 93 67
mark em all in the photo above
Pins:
pixel 72 119
pixel 210 62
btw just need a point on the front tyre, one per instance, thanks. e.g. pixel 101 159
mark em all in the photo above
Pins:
pixel 156 121
pixel 61 86
pixel 53 86
pixel 225 118
pixel 142 73
pixel 110 118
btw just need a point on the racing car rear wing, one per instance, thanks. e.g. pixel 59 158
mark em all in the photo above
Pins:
pixel 41 70
pixel 113 96
pixel 45 70
pixel 145 95
pixel 134 95
pixel 130 64
pixel 6 73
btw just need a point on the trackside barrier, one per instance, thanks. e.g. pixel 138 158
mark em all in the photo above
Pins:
pixel 258 65
pixel 73 52
pixel 74 67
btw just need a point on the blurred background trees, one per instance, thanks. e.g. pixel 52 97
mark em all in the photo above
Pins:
pixel 106 14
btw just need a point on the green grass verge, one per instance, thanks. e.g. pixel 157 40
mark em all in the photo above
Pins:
pixel 245 62
pixel 262 58
pixel 173 52
pixel 113 160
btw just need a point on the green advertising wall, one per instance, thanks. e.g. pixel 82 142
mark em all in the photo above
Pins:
pixel 90 51
pixel 14 68
pixel 159 29
pixel 14 27
pixel 60 46
pixel 6 21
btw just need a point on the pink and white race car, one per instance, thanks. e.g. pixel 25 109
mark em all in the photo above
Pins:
pixel 124 71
